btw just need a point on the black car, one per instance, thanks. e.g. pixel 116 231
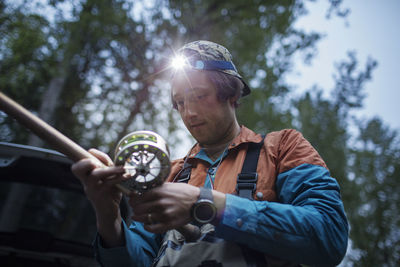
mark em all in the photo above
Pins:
pixel 46 220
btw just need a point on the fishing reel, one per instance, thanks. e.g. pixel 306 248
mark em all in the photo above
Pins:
pixel 145 157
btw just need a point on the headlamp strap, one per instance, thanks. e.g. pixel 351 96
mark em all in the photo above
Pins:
pixel 213 65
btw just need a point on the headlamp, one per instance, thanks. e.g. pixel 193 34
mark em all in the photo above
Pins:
pixel 178 62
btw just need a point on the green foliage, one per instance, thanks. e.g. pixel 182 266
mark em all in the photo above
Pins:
pixel 325 123
pixel 25 63
pixel 366 165
pixel 321 124
pixel 376 171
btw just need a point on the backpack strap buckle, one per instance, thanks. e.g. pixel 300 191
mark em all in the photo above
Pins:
pixel 246 184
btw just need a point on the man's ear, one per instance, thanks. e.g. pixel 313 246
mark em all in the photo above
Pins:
pixel 233 101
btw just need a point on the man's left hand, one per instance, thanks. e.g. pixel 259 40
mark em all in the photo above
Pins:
pixel 164 207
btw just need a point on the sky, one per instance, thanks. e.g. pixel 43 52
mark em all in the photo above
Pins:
pixel 371 29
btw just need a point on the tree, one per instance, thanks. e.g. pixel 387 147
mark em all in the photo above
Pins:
pixel 25 63
pixel 375 170
pixel 326 122
pixel 362 156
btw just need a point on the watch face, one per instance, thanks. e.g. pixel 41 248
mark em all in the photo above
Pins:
pixel 204 211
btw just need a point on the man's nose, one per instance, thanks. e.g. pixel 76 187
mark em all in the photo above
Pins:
pixel 190 108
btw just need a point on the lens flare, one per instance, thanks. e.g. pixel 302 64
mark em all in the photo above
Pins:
pixel 178 62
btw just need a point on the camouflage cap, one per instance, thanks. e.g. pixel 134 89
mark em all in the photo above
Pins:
pixel 212 56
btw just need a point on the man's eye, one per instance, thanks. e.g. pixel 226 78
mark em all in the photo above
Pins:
pixel 201 96
pixel 179 103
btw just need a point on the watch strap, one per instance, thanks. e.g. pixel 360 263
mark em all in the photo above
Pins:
pixel 206 193
pixel 203 208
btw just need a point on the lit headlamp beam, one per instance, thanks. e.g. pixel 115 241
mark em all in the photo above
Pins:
pixel 178 62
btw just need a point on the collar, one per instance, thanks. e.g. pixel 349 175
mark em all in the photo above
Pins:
pixel 245 136
pixel 203 156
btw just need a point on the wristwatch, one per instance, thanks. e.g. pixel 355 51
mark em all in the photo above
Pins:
pixel 204 210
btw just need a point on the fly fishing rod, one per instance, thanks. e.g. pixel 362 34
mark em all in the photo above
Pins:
pixel 144 154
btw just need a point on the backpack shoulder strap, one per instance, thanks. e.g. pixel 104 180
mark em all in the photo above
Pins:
pixel 184 174
pixel 247 179
pixel 245 187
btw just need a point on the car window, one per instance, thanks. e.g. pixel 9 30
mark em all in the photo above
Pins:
pixel 64 214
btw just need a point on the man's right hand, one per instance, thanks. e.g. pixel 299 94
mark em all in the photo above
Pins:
pixel 99 185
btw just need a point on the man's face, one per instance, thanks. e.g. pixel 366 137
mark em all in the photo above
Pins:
pixel 207 119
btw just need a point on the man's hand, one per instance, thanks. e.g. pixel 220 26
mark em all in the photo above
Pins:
pixel 168 206
pixel 99 185
pixel 164 207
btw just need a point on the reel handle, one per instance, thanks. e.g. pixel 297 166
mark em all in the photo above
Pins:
pixel 48 133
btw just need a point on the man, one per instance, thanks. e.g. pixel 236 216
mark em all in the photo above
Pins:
pixel 290 213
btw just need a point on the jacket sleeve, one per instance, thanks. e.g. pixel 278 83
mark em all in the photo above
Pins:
pixel 140 248
pixel 307 225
